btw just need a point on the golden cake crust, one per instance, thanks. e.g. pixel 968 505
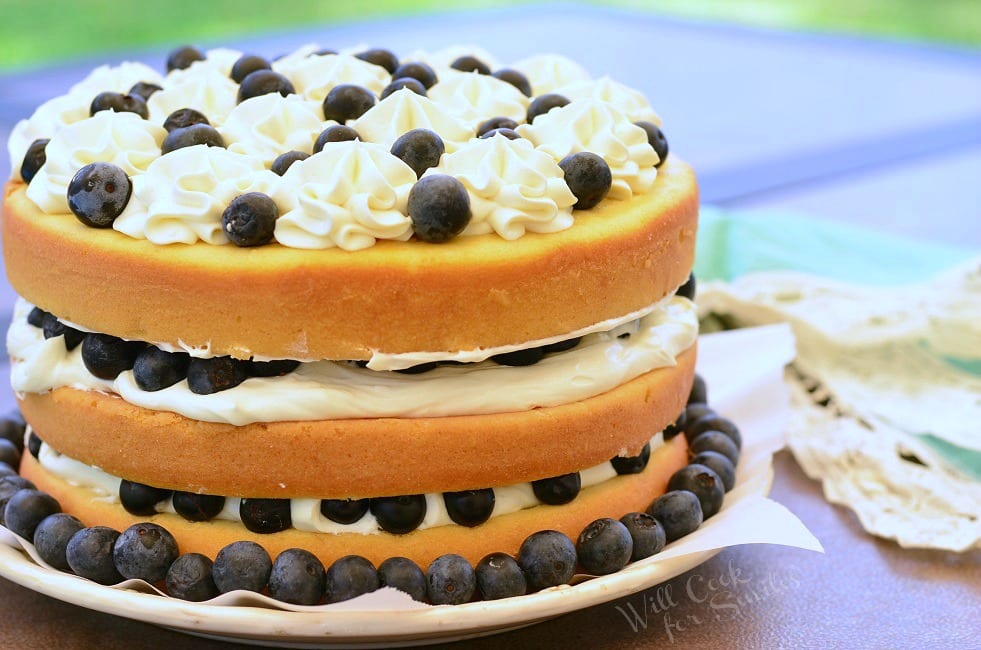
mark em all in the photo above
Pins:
pixel 613 498
pixel 394 297
pixel 363 457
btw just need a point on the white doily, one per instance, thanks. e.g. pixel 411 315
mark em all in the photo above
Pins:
pixel 886 394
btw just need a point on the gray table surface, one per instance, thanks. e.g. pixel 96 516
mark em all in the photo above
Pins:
pixel 879 134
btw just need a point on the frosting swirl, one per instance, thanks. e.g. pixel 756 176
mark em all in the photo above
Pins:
pixel 203 88
pixel 269 125
pixel 403 111
pixel 348 195
pixel 513 188
pixel 596 126
pixel 315 76
pixel 476 97
pixel 547 72
pixel 181 196
pixel 623 98
pixel 124 139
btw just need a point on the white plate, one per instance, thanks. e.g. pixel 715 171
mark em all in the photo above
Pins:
pixel 326 629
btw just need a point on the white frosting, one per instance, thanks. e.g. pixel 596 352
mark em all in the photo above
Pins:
pixel 547 72
pixel 331 390
pixel 270 125
pixel 596 126
pixel 218 60
pixel 440 60
pixel 182 195
pixel 124 139
pixel 623 98
pixel 475 97
pixel 314 76
pixel 201 87
pixel 305 513
pixel 348 195
pixel 114 78
pixel 403 111
pixel 513 188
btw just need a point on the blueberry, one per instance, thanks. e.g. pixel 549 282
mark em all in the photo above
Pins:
pixel 510 134
pixel 98 193
pixel 694 412
pixel 286 160
pixel 144 551
pixel 324 51
pixel 197 507
pixel 26 508
pixel 183 118
pixel 420 149
pixel 336 133
pixel 89 554
pixel 266 515
pixel 36 317
pixel 439 208
pixel 7 470
pixel 543 104
pixel 347 102
pixel 263 82
pixel 655 137
pixel 687 290
pixel 703 483
pixel 250 219
pixel 189 136
pixel 646 532
pixel 383 58
pixel 189 578
pixel 588 177
pixel 713 422
pixel 34 159
pixel 405 575
pixel 106 356
pixel 719 464
pixel 242 565
pixel 470 64
pixel 9 453
pixel 405 82
pixel 557 490
pixel 632 464
pixel 400 514
pixel 139 499
pixel 547 558
pixel 514 78
pixel 699 391
pixel 678 512
pixel 469 507
pixel 350 577
pixel 182 57
pixel 206 376
pixel 344 511
pixel 247 64
pixel 155 369
pixel 676 427
pixel 418 71
pixel 715 441
pixel 53 328
pixel 51 538
pixel 494 123
pixel 499 576
pixel 450 580
pixel 9 486
pixel 562 346
pixel 34 444
pixel 143 89
pixel 274 368
pixel 297 577
pixel 119 103
pixel 604 546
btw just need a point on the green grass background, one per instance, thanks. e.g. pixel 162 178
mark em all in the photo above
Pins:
pixel 34 32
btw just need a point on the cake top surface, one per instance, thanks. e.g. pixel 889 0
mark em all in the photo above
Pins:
pixel 376 147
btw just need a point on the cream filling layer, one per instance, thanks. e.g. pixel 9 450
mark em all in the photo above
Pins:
pixel 306 513
pixel 322 390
